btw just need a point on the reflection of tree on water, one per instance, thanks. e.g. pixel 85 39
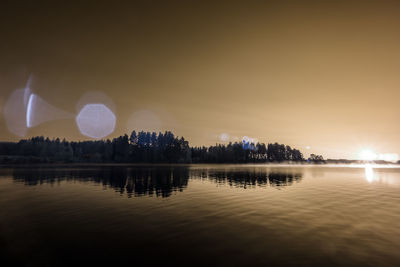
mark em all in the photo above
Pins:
pixel 281 179
pixel 160 181
pixel 154 180
pixel 250 178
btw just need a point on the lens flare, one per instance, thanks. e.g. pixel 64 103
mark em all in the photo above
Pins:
pixel 28 90
pixel 15 113
pixel 92 97
pixel 29 110
pixel 39 111
pixel 96 121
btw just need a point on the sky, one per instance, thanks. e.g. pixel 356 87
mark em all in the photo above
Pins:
pixel 320 76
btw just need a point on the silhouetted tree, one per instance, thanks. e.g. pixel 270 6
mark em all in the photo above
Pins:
pixel 316 158
pixel 145 147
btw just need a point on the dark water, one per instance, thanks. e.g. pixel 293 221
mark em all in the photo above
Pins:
pixel 201 215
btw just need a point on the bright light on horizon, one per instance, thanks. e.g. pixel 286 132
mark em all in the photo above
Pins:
pixel 367 154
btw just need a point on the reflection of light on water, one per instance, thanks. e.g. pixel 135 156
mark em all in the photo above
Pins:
pixel 380 177
pixel 369 173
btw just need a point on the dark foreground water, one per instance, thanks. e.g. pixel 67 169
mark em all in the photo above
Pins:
pixel 200 215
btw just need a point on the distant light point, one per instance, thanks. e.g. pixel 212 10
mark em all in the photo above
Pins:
pixel 224 137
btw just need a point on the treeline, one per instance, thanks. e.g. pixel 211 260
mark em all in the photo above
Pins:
pixel 142 147
pixel 245 153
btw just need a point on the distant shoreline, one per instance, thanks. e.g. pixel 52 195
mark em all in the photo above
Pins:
pixel 267 164
pixel 151 148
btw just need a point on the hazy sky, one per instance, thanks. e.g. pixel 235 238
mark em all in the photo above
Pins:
pixel 323 74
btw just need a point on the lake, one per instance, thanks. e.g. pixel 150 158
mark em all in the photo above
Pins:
pixel 203 215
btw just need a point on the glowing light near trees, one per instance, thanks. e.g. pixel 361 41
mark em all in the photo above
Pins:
pixel 96 121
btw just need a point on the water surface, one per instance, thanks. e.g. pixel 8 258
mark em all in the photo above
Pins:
pixel 210 215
